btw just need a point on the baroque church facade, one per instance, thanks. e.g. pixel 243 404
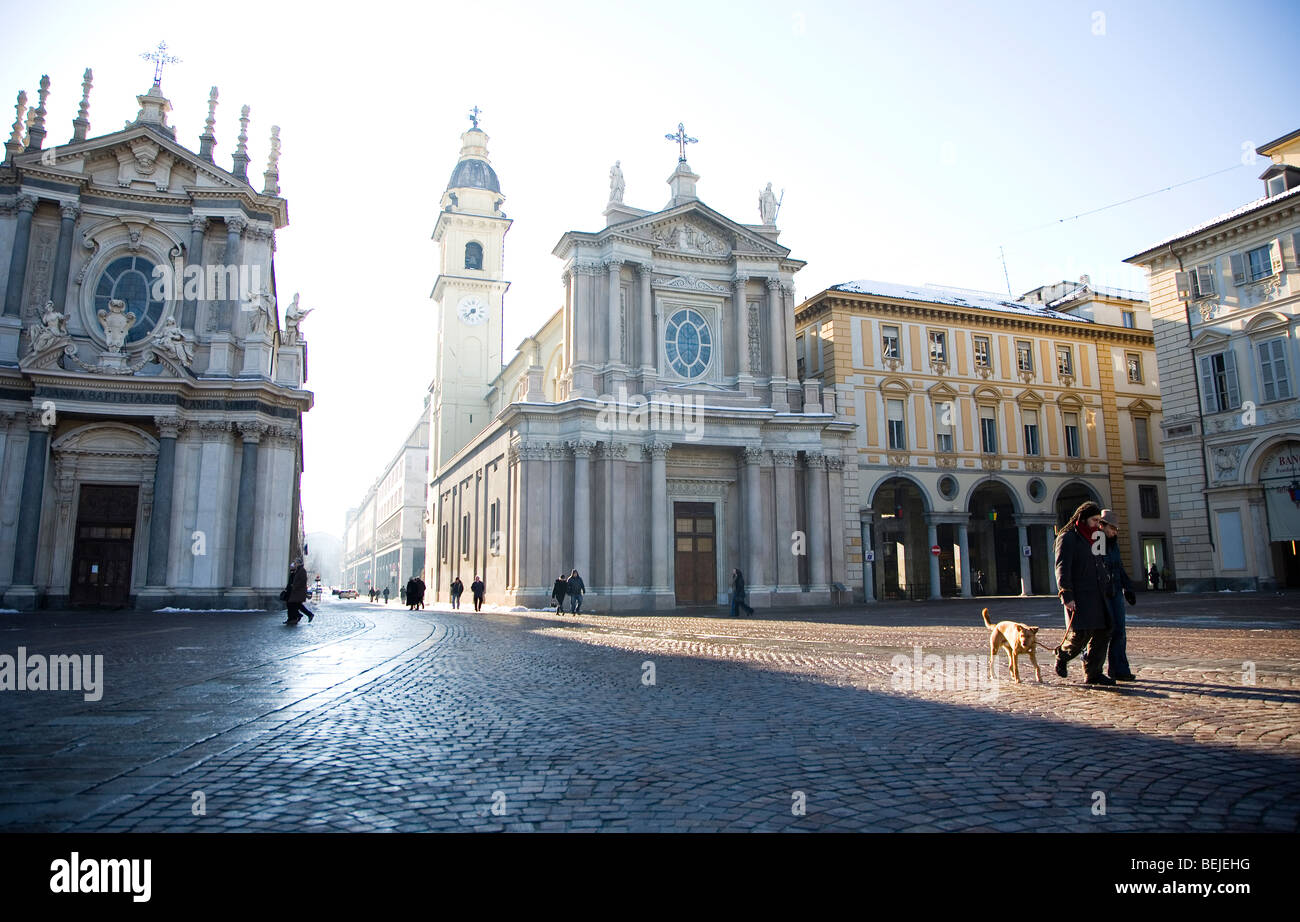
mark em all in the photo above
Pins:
pixel 653 433
pixel 151 391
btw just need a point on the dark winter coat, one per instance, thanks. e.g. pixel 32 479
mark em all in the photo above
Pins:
pixel 738 585
pixel 457 587
pixel 560 590
pixel 298 585
pixel 412 591
pixel 419 590
pixel 1119 581
pixel 576 585
pixel 1084 579
pixel 477 588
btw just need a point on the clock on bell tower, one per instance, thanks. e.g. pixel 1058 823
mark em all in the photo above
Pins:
pixel 469 291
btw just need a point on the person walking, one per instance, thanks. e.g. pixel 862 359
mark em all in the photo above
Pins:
pixel 577 589
pixel 419 589
pixel 738 595
pixel 401 592
pixel 296 594
pixel 1121 590
pixel 478 589
pixel 408 594
pixel 1153 577
pixel 1083 578
pixel 558 592
pixel 385 595
pixel 457 589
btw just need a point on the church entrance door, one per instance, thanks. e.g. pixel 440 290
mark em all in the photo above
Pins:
pixel 695 560
pixel 102 552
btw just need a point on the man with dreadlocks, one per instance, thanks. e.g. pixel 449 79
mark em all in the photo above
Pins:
pixel 1084 578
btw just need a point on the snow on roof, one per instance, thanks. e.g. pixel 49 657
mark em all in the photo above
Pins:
pixel 982 301
pixel 1082 291
pixel 1235 213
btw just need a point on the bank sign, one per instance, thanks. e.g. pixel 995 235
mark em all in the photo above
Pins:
pixel 1280 478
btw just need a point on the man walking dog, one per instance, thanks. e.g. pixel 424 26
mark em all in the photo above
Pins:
pixel 1084 580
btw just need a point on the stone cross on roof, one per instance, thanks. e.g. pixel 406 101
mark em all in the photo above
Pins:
pixel 682 140
pixel 160 57
pixel 474 114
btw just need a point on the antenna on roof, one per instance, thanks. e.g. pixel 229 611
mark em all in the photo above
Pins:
pixel 1004 271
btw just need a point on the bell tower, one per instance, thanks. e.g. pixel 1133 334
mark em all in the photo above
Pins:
pixel 469 291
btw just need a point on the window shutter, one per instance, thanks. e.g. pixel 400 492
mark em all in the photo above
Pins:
pixel 1295 249
pixel 1230 372
pixel 1267 375
pixel 1209 402
pixel 1205 279
pixel 1275 256
pixel 1238 269
pixel 1183 281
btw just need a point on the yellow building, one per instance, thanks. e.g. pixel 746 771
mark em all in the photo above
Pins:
pixel 983 422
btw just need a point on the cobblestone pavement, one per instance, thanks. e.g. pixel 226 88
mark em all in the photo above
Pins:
pixel 374 718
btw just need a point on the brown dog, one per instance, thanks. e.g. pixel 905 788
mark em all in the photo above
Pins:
pixel 1017 638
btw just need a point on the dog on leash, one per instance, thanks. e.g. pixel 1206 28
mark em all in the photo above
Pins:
pixel 1017 638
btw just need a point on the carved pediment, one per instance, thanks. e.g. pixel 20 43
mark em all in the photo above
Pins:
pixel 699 231
pixel 941 391
pixel 688 283
pixel 1029 396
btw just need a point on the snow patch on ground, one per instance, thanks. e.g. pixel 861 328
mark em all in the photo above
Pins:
pixel 201 610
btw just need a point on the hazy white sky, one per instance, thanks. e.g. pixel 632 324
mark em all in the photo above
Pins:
pixel 912 140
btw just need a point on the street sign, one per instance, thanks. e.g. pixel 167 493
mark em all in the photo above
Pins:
pixel 1027 551
pixel 871 557
pixel 935 550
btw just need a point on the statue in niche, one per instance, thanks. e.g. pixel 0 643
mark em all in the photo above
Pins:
pixel 117 322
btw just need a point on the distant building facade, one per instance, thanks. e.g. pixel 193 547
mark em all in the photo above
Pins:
pixel 983 422
pixel 151 385
pixel 384 536
pixel 1226 301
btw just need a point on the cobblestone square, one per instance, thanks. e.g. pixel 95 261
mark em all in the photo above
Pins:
pixel 373 718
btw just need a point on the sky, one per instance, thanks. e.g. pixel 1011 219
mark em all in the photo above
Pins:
pixel 912 142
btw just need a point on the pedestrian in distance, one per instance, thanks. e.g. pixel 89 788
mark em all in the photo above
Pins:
pixel 401 591
pixel 738 595
pixel 1084 580
pixel 385 595
pixel 1121 590
pixel 419 591
pixel 558 592
pixel 478 589
pixel 577 589
pixel 408 594
pixel 295 594
pixel 1153 577
pixel 457 589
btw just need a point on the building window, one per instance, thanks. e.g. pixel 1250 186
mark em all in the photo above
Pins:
pixel 943 420
pixel 1064 361
pixel 1202 278
pixel 130 279
pixel 1259 263
pixel 801 352
pixel 1149 500
pixel 494 529
pixel 988 430
pixel 1219 389
pixel 948 487
pixel 1031 432
pixel 1025 356
pixel 1134 368
pixel 473 255
pixel 1272 369
pixel 1129 318
pixel 983 353
pixel 464 535
pixel 1071 435
pixel 442 540
pixel 938 347
pixel 897 435
pixel 889 343
pixel 1142 438
pixel 688 342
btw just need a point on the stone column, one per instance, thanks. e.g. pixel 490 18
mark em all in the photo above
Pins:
pixel 818 560
pixel 235 227
pixel 614 267
pixel 780 400
pixel 787 567
pixel 787 335
pixel 164 479
pixel 63 258
pixel 649 367
pixel 18 261
pixel 1026 575
pixel 963 544
pixel 582 450
pixel 1050 534
pixel 754 576
pixel 659 515
pixel 584 329
pixel 198 225
pixel 246 503
pixel 742 325
pixel 932 537
pixel 27 535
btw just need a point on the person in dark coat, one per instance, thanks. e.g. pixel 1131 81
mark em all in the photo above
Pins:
pixel 297 594
pixel 738 595
pixel 1084 579
pixel 558 592
pixel 577 589
pixel 409 594
pixel 420 588
pixel 1153 577
pixel 457 589
pixel 385 595
pixel 1122 589
pixel 478 590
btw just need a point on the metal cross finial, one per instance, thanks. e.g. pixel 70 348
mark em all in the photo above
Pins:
pixel 474 114
pixel 682 140
pixel 160 57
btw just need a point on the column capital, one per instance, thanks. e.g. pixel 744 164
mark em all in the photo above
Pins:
pixel 658 449
pixel 772 284
pixel 783 458
pixel 740 280
pixel 236 224
pixel 169 427
pixel 612 263
pixel 834 463
pixel 288 434
pixel 70 211
pixel 36 421
pixel 198 224
pixel 753 455
pixel 213 429
pixel 644 270
pixel 815 460
pixel 253 431
pixel 582 448
pixel 25 202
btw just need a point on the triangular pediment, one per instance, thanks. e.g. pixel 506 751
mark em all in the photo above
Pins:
pixel 942 391
pixel 695 229
pixel 1029 396
pixel 1209 338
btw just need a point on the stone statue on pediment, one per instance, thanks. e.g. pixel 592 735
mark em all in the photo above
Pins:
pixel 170 341
pixel 293 318
pixel 51 331
pixel 767 206
pixel 616 183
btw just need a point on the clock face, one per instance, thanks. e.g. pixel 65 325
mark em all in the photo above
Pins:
pixel 473 310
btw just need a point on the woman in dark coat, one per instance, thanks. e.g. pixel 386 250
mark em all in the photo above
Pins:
pixel 457 588
pixel 411 594
pixel 1121 589
pixel 297 590
pixel 1084 579
pixel 558 592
